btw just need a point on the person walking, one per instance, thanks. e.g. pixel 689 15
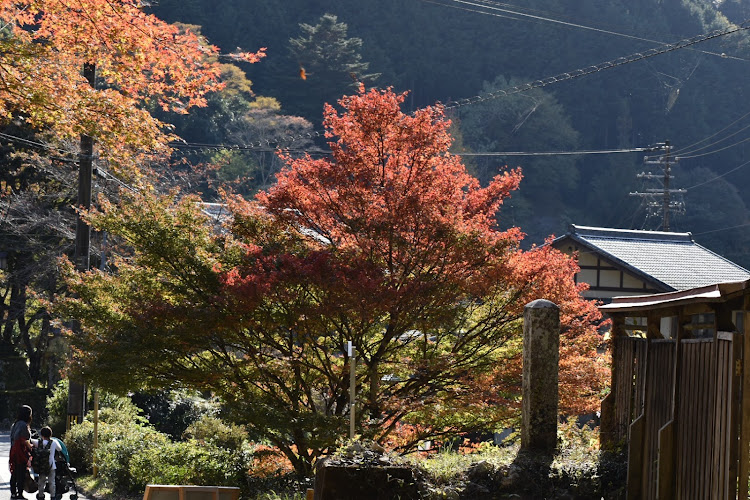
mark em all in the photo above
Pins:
pixel 45 451
pixel 20 451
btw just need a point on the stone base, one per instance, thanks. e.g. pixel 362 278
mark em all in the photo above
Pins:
pixel 340 482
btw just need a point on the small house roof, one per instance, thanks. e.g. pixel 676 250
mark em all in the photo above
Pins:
pixel 673 260
pixel 718 292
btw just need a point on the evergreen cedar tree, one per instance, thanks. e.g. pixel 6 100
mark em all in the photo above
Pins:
pixel 389 243
pixel 141 62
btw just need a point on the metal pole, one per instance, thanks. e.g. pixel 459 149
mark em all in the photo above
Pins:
pixel 352 388
pixel 95 466
pixel 667 200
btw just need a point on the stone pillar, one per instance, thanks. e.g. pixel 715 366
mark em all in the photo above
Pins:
pixel 541 355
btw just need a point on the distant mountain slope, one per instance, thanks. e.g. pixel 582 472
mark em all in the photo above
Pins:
pixel 449 51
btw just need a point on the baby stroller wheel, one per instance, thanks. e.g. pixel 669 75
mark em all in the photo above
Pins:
pixel 73 496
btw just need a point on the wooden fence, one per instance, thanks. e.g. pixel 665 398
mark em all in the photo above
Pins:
pixel 190 492
pixel 678 411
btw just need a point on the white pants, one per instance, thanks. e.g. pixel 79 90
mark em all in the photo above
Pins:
pixel 43 479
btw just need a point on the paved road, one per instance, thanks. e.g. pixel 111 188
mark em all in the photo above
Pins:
pixel 5 473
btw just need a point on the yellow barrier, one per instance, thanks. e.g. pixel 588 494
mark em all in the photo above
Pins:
pixel 187 492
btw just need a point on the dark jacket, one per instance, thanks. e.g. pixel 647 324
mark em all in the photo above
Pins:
pixel 20 429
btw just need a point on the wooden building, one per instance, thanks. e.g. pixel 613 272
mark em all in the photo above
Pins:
pixel 680 398
pixel 621 262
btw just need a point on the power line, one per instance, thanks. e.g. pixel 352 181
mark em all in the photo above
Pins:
pixel 266 144
pixel 37 145
pixel 12 21
pixel 109 177
pixel 473 10
pixel 685 43
pixel 686 149
pixel 204 147
pixel 620 61
pixel 499 7
pixel 722 229
pixel 557 153
pixel 716 150
pixel 720 176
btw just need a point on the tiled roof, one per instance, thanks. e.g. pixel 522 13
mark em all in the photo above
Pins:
pixel 673 259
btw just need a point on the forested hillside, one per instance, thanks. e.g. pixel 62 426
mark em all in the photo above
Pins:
pixel 446 51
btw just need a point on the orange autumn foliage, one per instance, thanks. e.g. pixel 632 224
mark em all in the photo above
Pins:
pixel 140 61
pixel 389 244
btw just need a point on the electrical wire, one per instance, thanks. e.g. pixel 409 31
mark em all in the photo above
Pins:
pixel 556 153
pixel 715 150
pixel 686 149
pixel 620 61
pixel 496 6
pixel 204 148
pixel 110 177
pixel 39 145
pixel 465 9
pixel 722 229
pixel 13 21
pixel 268 144
pixel 719 176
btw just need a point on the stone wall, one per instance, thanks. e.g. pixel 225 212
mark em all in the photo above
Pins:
pixel 16 389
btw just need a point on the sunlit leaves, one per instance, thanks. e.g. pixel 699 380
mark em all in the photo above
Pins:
pixel 140 61
pixel 388 244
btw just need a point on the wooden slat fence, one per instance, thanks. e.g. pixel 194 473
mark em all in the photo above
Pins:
pixel 694 439
pixel 630 356
pixel 657 409
pixel 726 416
pixel 700 450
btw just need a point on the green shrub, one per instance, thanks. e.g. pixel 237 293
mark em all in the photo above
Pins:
pixel 172 411
pixel 118 410
pixel 189 463
pixel 212 430
pixel 113 408
pixel 118 442
pixel 57 408
pixel 132 454
pixel 118 445
pixel 116 415
pixel 80 443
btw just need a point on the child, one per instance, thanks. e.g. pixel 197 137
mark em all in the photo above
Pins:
pixel 46 470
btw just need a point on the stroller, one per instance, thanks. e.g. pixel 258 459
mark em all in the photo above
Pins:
pixel 64 480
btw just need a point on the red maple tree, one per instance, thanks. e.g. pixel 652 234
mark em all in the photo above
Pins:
pixel 389 244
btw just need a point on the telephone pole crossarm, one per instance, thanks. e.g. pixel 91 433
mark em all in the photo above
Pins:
pixel 659 200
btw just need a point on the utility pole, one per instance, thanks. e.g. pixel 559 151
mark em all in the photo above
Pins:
pixel 85 174
pixel 659 201
pixel 82 257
